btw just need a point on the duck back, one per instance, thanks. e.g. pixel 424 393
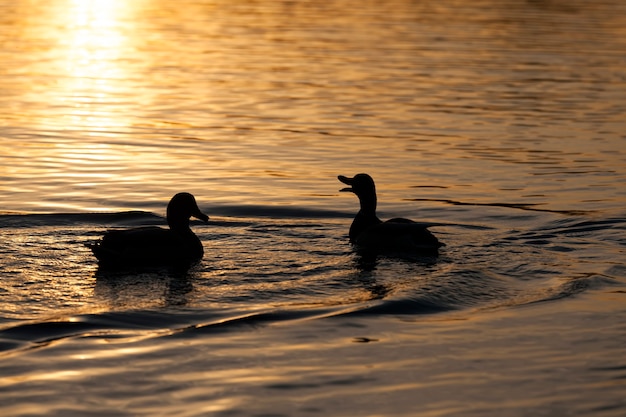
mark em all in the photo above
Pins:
pixel 147 246
pixel 399 235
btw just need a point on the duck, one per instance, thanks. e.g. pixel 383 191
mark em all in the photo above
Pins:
pixel 152 245
pixel 397 235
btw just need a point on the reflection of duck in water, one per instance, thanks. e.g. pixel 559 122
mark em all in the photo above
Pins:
pixel 155 246
pixel 370 233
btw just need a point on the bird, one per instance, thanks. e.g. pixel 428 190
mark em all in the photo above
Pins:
pixel 152 245
pixel 397 235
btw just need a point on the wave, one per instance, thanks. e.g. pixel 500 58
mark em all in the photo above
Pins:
pixel 139 217
pixel 461 291
pixel 517 206
pixel 20 336
pixel 23 336
pixel 303 273
pixel 129 218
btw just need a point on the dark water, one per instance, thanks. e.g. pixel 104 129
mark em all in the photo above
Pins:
pixel 501 123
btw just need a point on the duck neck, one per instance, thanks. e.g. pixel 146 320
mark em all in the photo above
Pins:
pixel 368 205
pixel 178 225
pixel 365 218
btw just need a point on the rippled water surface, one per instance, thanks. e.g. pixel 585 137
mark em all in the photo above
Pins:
pixel 501 123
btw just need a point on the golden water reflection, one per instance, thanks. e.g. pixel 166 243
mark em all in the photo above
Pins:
pixel 73 93
pixel 91 47
pixel 250 103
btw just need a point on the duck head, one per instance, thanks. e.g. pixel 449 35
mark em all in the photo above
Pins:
pixel 363 186
pixel 180 208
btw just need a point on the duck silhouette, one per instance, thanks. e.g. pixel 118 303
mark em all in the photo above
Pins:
pixel 399 235
pixel 152 245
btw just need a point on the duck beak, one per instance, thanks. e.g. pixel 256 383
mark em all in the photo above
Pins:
pixel 200 216
pixel 347 181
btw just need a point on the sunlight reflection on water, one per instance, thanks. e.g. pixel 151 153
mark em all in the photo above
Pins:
pixel 239 103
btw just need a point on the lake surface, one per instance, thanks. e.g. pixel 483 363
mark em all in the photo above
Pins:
pixel 502 123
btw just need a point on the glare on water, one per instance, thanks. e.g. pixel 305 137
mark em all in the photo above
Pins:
pixel 245 103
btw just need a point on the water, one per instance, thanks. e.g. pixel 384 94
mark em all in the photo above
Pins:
pixel 500 122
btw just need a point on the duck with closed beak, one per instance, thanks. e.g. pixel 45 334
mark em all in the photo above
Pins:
pixel 152 245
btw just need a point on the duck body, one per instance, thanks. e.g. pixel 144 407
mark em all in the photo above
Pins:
pixel 155 246
pixel 396 235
